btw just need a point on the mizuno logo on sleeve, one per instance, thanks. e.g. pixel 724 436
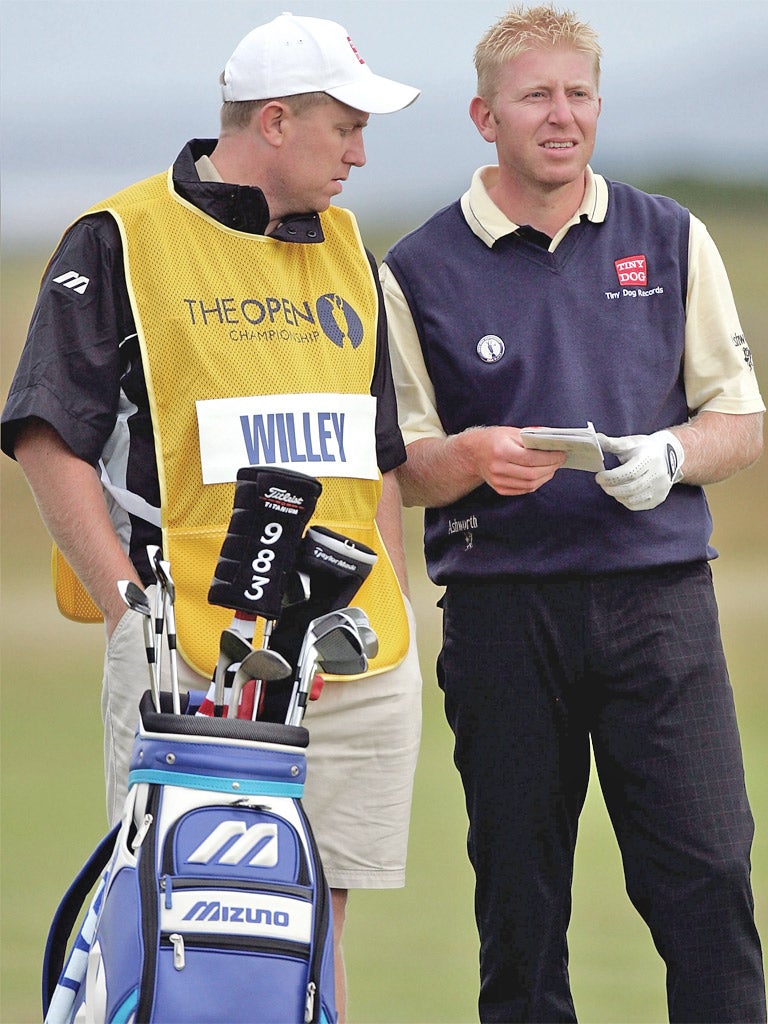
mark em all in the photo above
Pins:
pixel 71 279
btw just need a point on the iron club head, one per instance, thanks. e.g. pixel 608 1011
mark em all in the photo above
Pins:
pixel 137 601
pixel 163 573
pixel 232 648
pixel 134 597
pixel 261 664
pixel 361 622
pixel 339 651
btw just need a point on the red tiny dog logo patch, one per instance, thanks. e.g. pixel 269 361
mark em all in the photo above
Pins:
pixel 632 270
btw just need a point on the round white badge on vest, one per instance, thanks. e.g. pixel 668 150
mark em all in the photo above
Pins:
pixel 490 348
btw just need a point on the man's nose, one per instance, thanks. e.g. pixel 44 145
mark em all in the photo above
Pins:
pixel 355 154
pixel 560 110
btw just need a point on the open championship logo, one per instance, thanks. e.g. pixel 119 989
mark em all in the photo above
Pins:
pixel 339 320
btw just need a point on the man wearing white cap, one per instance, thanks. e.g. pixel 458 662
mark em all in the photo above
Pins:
pixel 229 281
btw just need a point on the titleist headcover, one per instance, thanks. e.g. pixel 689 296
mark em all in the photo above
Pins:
pixel 270 512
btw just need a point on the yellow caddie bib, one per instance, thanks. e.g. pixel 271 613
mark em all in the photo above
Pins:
pixel 258 352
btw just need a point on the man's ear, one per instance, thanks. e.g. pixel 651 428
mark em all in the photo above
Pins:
pixel 483 118
pixel 268 122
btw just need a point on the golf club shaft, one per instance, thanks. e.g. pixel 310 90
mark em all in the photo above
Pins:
pixel 150 648
pixel 269 625
pixel 171 620
pixel 136 599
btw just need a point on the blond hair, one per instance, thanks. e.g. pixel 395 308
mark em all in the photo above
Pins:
pixel 527 28
pixel 236 114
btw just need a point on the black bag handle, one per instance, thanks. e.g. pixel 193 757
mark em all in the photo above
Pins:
pixel 67 913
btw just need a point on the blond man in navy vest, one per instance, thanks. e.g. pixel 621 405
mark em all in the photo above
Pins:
pixel 579 608
pixel 297 98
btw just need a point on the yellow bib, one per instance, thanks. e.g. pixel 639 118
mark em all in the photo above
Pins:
pixel 224 317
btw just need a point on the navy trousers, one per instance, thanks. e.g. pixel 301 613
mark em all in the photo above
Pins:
pixel 534 670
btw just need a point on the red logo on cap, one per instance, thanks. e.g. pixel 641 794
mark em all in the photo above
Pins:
pixel 632 270
pixel 354 50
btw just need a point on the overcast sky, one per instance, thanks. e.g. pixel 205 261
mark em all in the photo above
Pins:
pixel 95 94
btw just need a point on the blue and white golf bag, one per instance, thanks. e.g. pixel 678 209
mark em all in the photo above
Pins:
pixel 213 906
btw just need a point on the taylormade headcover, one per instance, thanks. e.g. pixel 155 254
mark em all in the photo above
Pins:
pixel 335 567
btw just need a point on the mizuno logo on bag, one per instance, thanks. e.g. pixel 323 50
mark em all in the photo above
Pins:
pixel 71 279
pixel 213 910
pixel 232 842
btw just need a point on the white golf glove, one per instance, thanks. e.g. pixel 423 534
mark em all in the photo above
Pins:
pixel 650 464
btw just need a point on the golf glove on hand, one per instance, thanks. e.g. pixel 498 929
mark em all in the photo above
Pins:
pixel 650 464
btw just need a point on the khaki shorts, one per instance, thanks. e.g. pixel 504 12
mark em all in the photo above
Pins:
pixel 364 739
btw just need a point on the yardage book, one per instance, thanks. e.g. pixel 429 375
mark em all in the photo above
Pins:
pixel 580 444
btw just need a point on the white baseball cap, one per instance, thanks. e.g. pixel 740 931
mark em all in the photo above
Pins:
pixel 292 55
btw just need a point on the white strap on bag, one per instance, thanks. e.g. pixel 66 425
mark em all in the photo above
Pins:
pixel 131 503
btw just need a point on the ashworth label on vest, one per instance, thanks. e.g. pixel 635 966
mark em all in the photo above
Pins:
pixel 323 434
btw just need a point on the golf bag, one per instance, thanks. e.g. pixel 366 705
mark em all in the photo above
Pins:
pixel 213 906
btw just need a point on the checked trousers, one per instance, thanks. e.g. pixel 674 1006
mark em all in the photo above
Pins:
pixel 532 672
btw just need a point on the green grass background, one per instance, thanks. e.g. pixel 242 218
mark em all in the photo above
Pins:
pixel 411 954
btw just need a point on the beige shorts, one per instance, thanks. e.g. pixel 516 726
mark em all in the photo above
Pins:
pixel 364 740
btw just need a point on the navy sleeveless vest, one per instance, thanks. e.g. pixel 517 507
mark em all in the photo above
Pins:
pixel 593 331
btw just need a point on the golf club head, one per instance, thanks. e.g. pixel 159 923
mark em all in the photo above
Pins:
pixel 297 590
pixel 331 646
pixel 303 682
pixel 332 643
pixel 163 573
pixel 233 646
pixel 327 621
pixel 134 597
pixel 137 601
pixel 358 618
pixel 339 651
pixel 154 554
pixel 370 641
pixel 262 663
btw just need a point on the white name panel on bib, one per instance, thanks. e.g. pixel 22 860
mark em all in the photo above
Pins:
pixel 319 434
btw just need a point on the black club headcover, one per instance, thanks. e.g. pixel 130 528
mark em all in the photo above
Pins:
pixel 336 567
pixel 270 512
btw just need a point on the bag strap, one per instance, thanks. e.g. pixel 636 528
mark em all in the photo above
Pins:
pixel 68 911
pixel 130 502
